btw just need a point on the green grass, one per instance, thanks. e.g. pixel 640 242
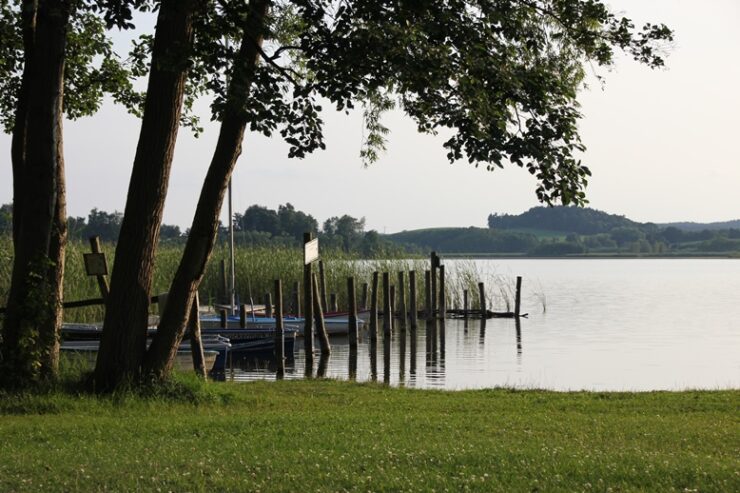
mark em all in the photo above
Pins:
pixel 341 436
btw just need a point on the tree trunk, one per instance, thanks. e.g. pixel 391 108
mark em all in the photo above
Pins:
pixel 29 346
pixel 199 246
pixel 123 342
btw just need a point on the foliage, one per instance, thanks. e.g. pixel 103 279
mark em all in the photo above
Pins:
pixel 370 438
pixel 581 220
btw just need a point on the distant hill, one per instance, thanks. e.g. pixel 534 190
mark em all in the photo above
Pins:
pixel 578 220
pixel 465 240
pixel 689 226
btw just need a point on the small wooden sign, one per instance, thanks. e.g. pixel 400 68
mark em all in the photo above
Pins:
pixel 311 251
pixel 95 264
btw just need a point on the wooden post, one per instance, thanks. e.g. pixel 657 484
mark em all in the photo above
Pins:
pixel 268 304
pixel 428 294
pixel 412 301
pixel 196 344
pixel 279 331
pixel 296 304
pixel 333 307
pixel 363 297
pixel 374 309
pixel 402 299
pixel 387 318
pixel 352 328
pixel 435 264
pixel 318 313
pixel 518 298
pixel 482 299
pixel 243 316
pixel 394 314
pixel 322 275
pixel 224 319
pixel 308 305
pixel 442 294
pixel 465 303
pixel 102 280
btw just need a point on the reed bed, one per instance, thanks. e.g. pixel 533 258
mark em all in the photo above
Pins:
pixel 256 268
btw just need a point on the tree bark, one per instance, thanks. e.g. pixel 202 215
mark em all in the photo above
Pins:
pixel 29 348
pixel 162 352
pixel 123 342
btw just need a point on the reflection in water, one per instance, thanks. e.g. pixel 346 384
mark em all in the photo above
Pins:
pixel 323 365
pixel 308 373
pixel 352 363
pixel 387 360
pixel 609 325
pixel 374 359
pixel 402 358
pixel 518 323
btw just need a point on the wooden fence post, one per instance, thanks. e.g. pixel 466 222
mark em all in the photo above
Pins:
pixel 433 306
pixel 465 303
pixel 518 299
pixel 102 280
pixel 243 316
pixel 268 304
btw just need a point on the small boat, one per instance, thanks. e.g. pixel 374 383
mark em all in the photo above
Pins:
pixel 87 352
pixel 334 325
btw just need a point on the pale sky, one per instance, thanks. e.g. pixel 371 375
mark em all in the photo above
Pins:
pixel 662 146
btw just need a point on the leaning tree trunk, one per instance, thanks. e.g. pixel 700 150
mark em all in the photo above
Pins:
pixel 123 342
pixel 162 352
pixel 29 346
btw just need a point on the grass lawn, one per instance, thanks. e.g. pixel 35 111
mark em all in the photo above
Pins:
pixel 340 436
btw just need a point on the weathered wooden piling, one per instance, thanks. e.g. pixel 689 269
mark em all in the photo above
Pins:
pixel 482 299
pixel 428 294
pixel 518 297
pixel 465 303
pixel 296 299
pixel 308 306
pixel 433 284
pixel 322 279
pixel 333 306
pixel 442 293
pixel 223 318
pixel 374 309
pixel 412 302
pixel 196 344
pixel 279 331
pixel 243 316
pixel 268 304
pixel 402 300
pixel 352 328
pixel 318 313
pixel 387 315
pixel 394 314
pixel 363 297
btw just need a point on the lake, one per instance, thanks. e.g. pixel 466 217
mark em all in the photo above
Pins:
pixel 593 324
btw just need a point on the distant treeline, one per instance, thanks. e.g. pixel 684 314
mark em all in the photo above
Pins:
pixel 258 226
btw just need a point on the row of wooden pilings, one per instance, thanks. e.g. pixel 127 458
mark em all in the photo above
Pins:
pixel 394 306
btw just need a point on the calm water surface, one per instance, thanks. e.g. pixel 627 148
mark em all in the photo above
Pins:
pixel 623 324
